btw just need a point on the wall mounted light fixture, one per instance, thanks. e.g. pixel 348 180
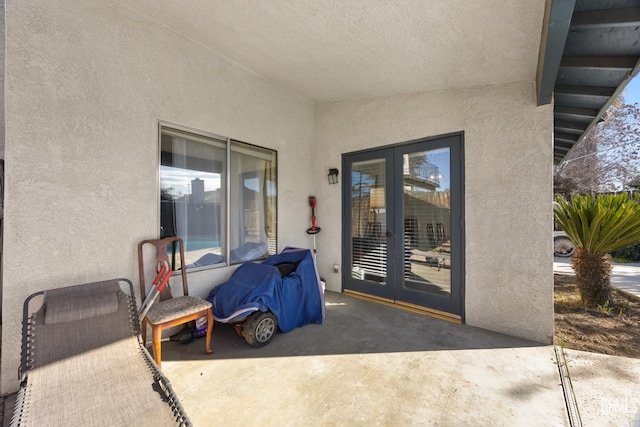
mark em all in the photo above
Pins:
pixel 333 176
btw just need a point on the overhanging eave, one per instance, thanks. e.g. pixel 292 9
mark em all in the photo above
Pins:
pixel 600 55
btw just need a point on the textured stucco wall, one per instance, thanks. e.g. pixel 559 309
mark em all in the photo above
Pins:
pixel 86 84
pixel 2 81
pixel 508 188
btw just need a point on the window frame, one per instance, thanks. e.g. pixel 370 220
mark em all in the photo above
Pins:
pixel 229 141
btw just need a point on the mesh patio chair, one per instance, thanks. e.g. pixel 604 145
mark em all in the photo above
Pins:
pixel 83 363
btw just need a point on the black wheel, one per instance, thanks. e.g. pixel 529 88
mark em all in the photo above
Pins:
pixel 563 246
pixel 259 328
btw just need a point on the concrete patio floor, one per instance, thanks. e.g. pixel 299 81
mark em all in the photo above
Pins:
pixel 368 364
pixel 607 388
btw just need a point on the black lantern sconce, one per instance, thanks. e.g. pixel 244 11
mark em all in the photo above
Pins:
pixel 333 176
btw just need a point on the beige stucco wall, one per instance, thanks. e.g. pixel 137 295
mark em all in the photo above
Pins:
pixel 508 188
pixel 1 81
pixel 87 83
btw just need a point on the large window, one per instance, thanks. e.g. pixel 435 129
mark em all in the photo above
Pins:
pixel 219 196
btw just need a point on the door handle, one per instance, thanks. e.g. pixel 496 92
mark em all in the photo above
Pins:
pixel 389 233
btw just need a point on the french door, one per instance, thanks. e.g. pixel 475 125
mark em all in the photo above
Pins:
pixel 403 223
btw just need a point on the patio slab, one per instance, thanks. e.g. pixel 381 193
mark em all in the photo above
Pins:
pixel 607 388
pixel 368 364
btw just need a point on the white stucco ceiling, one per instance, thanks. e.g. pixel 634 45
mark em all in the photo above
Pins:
pixel 328 50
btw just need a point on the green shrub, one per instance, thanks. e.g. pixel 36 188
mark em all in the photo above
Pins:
pixel 597 225
pixel 627 254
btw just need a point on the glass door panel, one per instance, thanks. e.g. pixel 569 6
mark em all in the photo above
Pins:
pixel 427 221
pixel 369 221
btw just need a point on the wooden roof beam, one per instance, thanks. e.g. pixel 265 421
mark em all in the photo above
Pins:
pixel 564 145
pixel 599 91
pixel 575 111
pixel 567 137
pixel 571 127
pixel 629 17
pixel 599 62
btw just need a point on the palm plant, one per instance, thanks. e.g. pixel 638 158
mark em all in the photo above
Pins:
pixel 597 225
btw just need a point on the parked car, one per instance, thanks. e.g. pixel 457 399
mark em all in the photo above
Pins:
pixel 562 244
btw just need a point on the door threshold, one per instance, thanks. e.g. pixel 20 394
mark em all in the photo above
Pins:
pixel 413 308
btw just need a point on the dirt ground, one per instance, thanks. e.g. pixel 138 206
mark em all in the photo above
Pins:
pixel 614 329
